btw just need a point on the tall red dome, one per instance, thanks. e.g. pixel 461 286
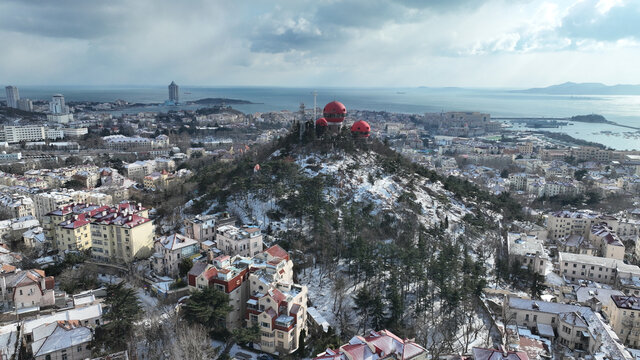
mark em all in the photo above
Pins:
pixel 321 122
pixel 360 129
pixel 335 112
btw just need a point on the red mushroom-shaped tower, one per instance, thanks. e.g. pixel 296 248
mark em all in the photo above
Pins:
pixel 334 112
pixel 360 129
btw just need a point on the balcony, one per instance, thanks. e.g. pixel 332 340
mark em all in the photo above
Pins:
pixel 284 321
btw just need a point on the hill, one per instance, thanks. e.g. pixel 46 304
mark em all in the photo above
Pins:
pixel 570 88
pixel 371 230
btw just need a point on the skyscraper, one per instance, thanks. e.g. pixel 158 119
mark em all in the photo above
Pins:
pixel 12 96
pixel 57 106
pixel 173 92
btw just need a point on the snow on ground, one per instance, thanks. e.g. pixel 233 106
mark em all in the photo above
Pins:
pixel 551 278
pixel 321 293
pixel 148 302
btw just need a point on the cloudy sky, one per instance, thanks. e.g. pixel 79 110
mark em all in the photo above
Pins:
pixel 474 43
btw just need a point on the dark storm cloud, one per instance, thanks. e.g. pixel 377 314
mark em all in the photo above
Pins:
pixel 584 21
pixel 63 18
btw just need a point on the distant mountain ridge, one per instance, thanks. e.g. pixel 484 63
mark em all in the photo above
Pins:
pixel 571 88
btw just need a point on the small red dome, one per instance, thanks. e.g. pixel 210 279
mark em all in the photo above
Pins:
pixel 335 112
pixel 360 128
pixel 321 122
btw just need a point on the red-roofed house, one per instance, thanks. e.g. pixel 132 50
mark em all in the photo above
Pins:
pixel 377 345
pixel 26 288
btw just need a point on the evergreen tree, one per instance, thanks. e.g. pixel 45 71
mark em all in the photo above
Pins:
pixel 123 310
pixel 208 307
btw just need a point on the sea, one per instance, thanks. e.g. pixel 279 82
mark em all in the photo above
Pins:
pixel 621 109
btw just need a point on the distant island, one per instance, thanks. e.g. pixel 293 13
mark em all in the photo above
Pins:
pixel 571 88
pixel 592 118
pixel 219 101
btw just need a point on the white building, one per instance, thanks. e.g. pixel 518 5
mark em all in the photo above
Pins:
pixel 12 96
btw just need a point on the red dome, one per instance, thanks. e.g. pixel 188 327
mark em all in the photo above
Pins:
pixel 361 128
pixel 321 122
pixel 335 112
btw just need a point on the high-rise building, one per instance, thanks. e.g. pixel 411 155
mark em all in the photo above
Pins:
pixel 173 92
pixel 25 105
pixel 12 96
pixel 57 106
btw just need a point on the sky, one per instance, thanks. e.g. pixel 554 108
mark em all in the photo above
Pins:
pixel 346 43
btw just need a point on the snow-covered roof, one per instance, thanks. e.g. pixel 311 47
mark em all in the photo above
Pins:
pixel 80 314
pixel 62 335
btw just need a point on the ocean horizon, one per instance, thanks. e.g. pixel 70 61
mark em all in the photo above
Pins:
pixel 622 109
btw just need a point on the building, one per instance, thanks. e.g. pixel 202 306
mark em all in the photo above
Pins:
pixel 174 95
pixel 26 288
pixel 169 252
pixel 575 267
pixel 262 292
pixel 529 251
pixel 376 345
pixel 564 223
pixel 25 105
pixel 44 203
pixel 245 241
pixel 498 354
pixel 89 316
pixel 66 339
pixel 13 95
pixel 575 327
pixel 57 105
pixel 75 132
pixel 118 233
pixel 624 317
pixel 203 227
pixel 16 205
pixel 608 241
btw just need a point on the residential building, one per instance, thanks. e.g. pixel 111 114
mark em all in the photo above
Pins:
pixel 576 244
pixel 26 288
pixel 529 251
pixel 498 354
pixel 608 241
pixel 376 345
pixel 66 340
pixel 57 105
pixel 169 252
pixel 575 327
pixel 564 223
pixel 16 205
pixel 244 241
pixel 47 202
pixel 25 105
pixel 624 317
pixel 89 316
pixel 13 95
pixel 262 292
pixel 575 267
pixel 203 227
pixel 118 233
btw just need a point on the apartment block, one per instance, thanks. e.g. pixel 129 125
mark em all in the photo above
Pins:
pixel 244 241
pixel 120 233
pixel 262 292
pixel 203 227
pixel 65 339
pixel 624 317
pixel 576 267
pixel 529 251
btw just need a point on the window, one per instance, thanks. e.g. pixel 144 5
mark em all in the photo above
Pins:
pixel 79 348
pixel 266 324
pixel 280 335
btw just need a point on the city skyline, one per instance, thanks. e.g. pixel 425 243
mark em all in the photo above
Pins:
pixel 327 43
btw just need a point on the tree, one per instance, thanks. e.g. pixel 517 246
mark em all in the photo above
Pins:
pixel 184 266
pixel 580 174
pixel 504 173
pixel 536 284
pixel 74 184
pixel 208 307
pixel 302 350
pixel 123 310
